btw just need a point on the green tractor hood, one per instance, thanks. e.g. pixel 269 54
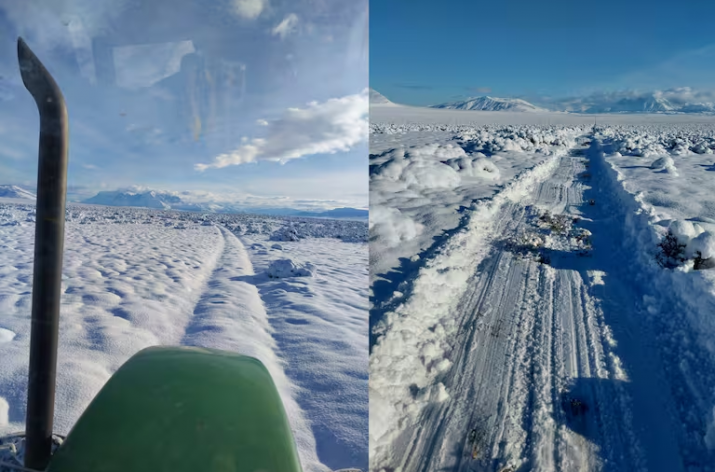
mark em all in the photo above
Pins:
pixel 182 409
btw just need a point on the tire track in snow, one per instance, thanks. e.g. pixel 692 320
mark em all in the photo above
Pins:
pixel 478 358
pixel 513 386
pixel 494 265
pixel 230 315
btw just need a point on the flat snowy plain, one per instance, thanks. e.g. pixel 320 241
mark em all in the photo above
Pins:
pixel 519 290
pixel 134 278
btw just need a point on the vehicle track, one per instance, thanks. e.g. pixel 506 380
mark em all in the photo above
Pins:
pixel 535 336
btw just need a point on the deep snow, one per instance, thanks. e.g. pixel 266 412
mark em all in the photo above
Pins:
pixel 133 278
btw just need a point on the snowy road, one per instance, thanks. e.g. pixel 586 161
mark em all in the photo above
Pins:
pixel 534 336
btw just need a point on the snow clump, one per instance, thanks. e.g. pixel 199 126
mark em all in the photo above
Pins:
pixel 283 268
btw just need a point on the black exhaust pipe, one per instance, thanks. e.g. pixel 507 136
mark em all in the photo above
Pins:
pixel 49 244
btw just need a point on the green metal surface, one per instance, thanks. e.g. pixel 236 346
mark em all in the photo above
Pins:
pixel 183 409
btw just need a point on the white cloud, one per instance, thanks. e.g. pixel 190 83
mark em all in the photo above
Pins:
pixel 287 26
pixel 683 95
pixel 262 122
pixel 322 128
pixel 249 9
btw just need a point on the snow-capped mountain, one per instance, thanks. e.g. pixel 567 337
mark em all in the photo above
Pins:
pixel 13 191
pixel 171 201
pixel 490 104
pixel 145 199
pixel 647 103
pixel 677 100
pixel 376 98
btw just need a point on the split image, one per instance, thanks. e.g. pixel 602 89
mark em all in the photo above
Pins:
pixel 342 236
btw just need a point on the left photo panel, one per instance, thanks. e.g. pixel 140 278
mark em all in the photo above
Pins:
pixel 184 235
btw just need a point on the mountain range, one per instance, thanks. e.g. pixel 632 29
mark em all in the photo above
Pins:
pixel 170 201
pixel 676 101
pixel 681 100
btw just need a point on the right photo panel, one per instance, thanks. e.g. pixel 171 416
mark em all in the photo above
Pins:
pixel 542 237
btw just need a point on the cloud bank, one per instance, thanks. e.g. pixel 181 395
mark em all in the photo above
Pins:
pixel 335 125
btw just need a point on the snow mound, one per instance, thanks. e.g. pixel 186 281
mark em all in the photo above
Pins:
pixel 694 238
pixel 683 230
pixel 704 243
pixel 286 234
pixel 475 167
pixel 645 141
pixel 665 163
pixel 283 268
pixel 421 167
pixel 391 226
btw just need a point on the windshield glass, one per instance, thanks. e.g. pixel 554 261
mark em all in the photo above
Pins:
pixel 163 94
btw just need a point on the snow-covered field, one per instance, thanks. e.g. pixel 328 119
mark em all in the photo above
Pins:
pixel 133 278
pixel 520 292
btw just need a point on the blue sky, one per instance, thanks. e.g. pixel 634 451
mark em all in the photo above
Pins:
pixel 239 98
pixel 425 52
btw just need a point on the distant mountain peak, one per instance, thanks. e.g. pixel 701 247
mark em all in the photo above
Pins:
pixel 13 191
pixel 376 98
pixel 487 103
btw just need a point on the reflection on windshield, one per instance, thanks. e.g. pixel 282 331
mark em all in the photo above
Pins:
pixel 156 91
